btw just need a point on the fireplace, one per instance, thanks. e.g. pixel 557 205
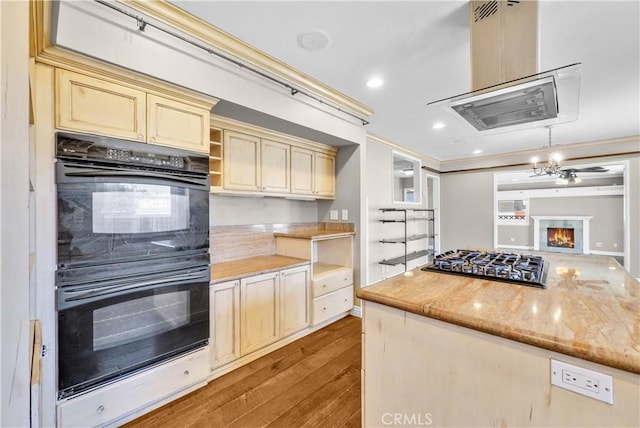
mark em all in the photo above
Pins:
pixel 562 237
pixel 561 234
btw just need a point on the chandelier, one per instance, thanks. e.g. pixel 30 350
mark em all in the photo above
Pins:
pixel 552 167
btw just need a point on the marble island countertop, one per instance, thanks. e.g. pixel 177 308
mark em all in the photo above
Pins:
pixel 229 271
pixel 589 310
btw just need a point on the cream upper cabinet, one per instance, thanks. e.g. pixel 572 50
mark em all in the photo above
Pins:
pixel 225 322
pixel 104 107
pixel 294 300
pixel 262 161
pixel 324 176
pixel 312 173
pixel 259 306
pixel 301 171
pixel 275 166
pixel 91 105
pixel 241 161
pixel 175 124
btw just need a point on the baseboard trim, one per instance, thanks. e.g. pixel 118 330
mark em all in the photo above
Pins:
pixel 356 311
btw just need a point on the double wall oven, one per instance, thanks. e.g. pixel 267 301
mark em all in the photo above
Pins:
pixel 132 274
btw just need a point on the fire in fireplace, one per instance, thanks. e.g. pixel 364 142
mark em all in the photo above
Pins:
pixel 560 237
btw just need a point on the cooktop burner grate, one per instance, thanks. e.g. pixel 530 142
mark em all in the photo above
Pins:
pixel 525 269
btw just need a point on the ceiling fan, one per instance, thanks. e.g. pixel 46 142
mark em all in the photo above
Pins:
pixel 565 175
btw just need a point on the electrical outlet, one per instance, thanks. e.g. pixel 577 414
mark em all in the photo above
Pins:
pixel 582 381
pixel 512 239
pixel 615 245
pixel 599 244
pixel 345 214
pixel 333 214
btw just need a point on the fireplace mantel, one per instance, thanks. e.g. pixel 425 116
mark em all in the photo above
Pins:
pixel 547 221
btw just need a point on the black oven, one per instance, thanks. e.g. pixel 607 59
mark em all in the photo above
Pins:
pixel 132 278
pixel 119 326
pixel 121 201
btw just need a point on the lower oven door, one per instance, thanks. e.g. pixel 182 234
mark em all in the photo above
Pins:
pixel 110 331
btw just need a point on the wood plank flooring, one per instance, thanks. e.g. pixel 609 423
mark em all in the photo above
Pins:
pixel 312 382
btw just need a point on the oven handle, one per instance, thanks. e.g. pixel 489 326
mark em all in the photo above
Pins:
pixel 70 169
pixel 68 297
pixel 125 173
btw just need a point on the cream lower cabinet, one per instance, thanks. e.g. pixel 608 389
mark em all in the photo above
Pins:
pixel 225 322
pixel 103 107
pixel 294 300
pixel 259 305
pixel 253 312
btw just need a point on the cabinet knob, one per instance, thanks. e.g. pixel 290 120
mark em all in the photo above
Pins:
pixel 324 285
pixel 324 308
pixel 140 137
pixel 345 300
pixel 186 372
pixel 100 409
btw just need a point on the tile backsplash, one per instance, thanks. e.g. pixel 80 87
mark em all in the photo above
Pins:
pixel 242 241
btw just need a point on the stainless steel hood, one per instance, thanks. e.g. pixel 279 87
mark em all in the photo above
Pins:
pixel 544 99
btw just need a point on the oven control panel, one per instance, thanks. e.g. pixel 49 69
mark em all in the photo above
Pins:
pixel 144 158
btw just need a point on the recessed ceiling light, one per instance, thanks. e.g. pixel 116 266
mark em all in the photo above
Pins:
pixel 374 82
pixel 438 125
pixel 477 152
pixel 314 40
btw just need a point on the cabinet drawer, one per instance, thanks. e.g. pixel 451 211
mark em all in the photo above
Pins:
pixel 329 283
pixel 332 304
pixel 118 399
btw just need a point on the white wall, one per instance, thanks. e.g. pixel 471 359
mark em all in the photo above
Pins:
pixel 235 210
pixel 14 215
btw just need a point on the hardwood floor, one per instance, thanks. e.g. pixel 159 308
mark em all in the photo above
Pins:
pixel 312 382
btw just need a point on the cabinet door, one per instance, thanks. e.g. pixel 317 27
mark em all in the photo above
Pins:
pixel 175 124
pixel 275 166
pixel 225 322
pixel 294 300
pixel 324 175
pixel 241 161
pixel 301 171
pixel 259 324
pixel 87 104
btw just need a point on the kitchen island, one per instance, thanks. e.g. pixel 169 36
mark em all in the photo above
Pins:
pixel 452 350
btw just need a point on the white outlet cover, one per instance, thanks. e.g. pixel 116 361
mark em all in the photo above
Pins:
pixel 345 214
pixel 576 378
pixel 333 214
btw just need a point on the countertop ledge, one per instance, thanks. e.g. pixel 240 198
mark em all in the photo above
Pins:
pixel 250 266
pixel 589 310
pixel 314 234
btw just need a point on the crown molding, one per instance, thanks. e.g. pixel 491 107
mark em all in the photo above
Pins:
pixel 431 163
pixel 175 17
pixel 584 150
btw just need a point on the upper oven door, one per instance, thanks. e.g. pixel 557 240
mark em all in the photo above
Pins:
pixel 110 213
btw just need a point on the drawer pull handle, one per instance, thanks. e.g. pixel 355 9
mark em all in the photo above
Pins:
pixel 100 409
pixel 186 372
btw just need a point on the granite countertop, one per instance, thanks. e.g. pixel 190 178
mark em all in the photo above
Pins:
pixel 589 310
pixel 229 271
pixel 314 234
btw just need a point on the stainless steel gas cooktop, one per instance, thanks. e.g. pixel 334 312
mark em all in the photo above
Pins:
pixel 525 269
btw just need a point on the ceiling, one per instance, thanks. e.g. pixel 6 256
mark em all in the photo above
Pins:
pixel 421 51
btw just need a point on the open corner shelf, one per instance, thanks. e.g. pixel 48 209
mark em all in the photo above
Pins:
pixel 428 234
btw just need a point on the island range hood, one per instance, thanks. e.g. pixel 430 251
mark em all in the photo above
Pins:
pixel 508 91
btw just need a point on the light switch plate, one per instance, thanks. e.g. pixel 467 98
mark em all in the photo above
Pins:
pixel 582 381
pixel 345 214
pixel 333 214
